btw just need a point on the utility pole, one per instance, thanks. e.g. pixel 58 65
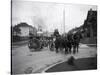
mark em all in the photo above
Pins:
pixel 64 19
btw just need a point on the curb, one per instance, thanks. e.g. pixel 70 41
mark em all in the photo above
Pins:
pixel 52 66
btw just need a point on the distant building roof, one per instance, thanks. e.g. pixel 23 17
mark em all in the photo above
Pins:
pixel 23 24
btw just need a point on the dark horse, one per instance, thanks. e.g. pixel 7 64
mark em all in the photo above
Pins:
pixel 63 43
pixel 75 41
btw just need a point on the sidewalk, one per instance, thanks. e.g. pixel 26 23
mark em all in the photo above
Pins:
pixel 18 44
pixel 88 45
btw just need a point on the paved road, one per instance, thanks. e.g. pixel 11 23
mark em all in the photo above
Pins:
pixel 24 61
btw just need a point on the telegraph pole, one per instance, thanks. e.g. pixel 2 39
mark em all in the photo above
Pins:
pixel 64 19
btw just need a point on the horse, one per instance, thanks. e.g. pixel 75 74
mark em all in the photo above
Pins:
pixel 57 43
pixel 76 40
pixel 63 43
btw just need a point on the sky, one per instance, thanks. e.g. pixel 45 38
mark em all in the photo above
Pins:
pixel 50 16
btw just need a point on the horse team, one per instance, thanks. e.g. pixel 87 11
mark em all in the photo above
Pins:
pixel 69 43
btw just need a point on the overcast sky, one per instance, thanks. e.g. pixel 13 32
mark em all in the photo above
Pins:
pixel 49 15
